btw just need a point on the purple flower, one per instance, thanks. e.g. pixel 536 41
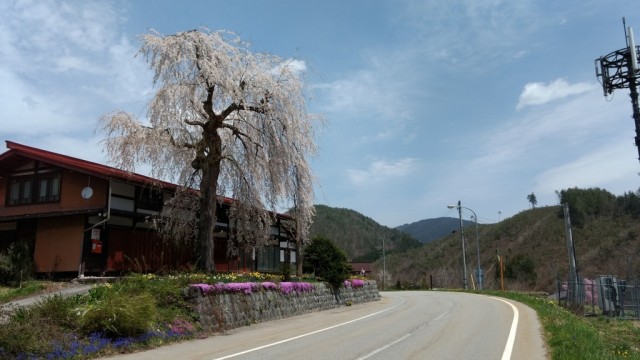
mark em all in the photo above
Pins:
pixel 205 288
pixel 181 327
pixel 353 283
pixel 245 287
pixel 268 285
pixel 123 342
pixel 289 287
pixel 250 287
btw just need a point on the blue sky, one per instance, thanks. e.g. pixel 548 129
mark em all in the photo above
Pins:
pixel 426 102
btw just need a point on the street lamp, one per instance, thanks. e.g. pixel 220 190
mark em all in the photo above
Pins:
pixel 475 217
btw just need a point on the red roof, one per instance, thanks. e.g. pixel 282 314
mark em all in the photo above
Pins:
pixel 87 167
pixel 79 165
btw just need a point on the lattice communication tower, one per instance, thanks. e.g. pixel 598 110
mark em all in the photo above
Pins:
pixel 619 70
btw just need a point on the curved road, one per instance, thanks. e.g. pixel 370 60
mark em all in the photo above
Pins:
pixel 403 325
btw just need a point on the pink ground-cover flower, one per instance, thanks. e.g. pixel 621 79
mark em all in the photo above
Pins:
pixel 289 287
pixel 249 287
pixel 220 287
pixel 245 287
pixel 181 327
pixel 268 285
pixel 205 288
pixel 355 283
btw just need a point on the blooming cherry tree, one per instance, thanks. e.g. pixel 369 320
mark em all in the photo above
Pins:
pixel 227 122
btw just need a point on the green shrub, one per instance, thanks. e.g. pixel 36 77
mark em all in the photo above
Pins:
pixel 167 292
pixel 18 336
pixel 34 330
pixel 57 310
pixel 16 264
pixel 326 261
pixel 119 315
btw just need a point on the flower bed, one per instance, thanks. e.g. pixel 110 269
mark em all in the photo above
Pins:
pixel 353 283
pixel 250 287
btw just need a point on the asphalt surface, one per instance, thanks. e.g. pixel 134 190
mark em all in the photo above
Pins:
pixel 403 325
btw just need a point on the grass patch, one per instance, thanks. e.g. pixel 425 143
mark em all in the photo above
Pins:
pixel 28 288
pixel 570 336
pixel 136 313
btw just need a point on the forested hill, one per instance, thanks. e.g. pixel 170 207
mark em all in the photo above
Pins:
pixel 432 229
pixel 533 246
pixel 360 236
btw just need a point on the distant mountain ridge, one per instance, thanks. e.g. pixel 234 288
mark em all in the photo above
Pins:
pixel 428 230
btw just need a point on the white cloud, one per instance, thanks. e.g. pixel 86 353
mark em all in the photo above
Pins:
pixel 380 170
pixel 473 34
pixel 26 110
pixel 296 65
pixel 577 122
pixel 581 141
pixel 47 30
pixel 611 167
pixel 64 64
pixel 539 93
pixel 382 89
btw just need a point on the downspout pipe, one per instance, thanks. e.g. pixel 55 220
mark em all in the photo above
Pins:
pixel 81 267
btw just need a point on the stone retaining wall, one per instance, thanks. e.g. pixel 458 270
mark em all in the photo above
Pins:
pixel 230 310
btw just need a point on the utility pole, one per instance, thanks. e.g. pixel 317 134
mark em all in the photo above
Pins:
pixel 464 250
pixel 572 296
pixel 619 70
pixel 384 266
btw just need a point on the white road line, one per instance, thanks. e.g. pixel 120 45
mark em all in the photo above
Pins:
pixel 303 335
pixel 506 355
pixel 384 347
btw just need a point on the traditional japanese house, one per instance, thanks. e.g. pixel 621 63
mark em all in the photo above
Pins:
pixel 87 218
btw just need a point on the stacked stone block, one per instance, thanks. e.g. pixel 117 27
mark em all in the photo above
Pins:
pixel 223 311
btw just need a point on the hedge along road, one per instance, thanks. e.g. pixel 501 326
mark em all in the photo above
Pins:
pixel 403 325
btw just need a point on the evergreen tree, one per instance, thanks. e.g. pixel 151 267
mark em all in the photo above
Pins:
pixel 328 262
pixel 532 200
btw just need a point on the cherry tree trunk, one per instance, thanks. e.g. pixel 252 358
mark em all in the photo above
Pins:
pixel 207 220
pixel 208 204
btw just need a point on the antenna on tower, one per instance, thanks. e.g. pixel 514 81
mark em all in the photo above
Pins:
pixel 632 50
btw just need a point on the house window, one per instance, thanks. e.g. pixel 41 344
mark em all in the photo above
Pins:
pixel 33 189
pixel 149 199
pixel 268 258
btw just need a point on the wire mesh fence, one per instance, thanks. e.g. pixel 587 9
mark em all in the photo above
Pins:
pixel 604 295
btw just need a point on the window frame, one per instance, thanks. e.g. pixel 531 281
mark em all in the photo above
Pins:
pixel 29 187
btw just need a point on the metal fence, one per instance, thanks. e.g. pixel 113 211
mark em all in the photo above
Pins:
pixel 604 295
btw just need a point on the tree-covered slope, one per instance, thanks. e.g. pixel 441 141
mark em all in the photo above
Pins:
pixel 533 245
pixel 360 236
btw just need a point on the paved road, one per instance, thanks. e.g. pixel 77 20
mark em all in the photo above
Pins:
pixel 403 325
